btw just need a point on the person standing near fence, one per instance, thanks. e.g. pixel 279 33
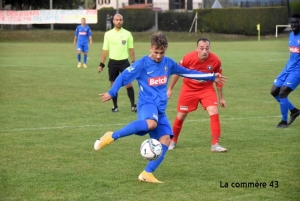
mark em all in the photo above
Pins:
pixel 83 35
pixel 108 22
pixel 117 42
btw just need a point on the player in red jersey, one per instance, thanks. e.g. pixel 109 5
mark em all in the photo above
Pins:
pixel 193 92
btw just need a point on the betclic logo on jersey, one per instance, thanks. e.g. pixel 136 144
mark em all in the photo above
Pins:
pixel 82 33
pixel 156 81
pixel 295 49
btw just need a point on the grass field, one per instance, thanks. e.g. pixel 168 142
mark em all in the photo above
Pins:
pixel 50 116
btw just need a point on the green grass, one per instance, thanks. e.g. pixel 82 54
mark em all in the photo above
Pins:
pixel 51 114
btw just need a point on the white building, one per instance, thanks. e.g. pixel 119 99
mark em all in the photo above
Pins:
pixel 162 4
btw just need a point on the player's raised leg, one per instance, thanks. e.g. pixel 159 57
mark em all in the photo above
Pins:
pixel 134 127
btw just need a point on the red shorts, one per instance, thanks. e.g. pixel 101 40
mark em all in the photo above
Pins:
pixel 188 100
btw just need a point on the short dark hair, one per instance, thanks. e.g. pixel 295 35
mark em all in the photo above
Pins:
pixel 296 16
pixel 203 39
pixel 159 40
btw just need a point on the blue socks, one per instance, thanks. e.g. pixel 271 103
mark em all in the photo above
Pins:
pixel 79 57
pixel 137 126
pixel 152 165
pixel 85 58
pixel 290 105
pixel 284 108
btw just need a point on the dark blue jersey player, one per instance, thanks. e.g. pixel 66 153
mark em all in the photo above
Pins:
pixel 83 35
pixel 288 79
pixel 152 73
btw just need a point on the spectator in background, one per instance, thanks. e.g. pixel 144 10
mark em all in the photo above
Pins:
pixel 108 22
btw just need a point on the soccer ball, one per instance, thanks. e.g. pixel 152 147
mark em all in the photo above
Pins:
pixel 151 149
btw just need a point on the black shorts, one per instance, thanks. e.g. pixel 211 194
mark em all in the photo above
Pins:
pixel 115 67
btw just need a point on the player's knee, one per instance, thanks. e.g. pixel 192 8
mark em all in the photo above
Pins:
pixel 166 140
pixel 285 91
pixel 283 94
pixel 275 91
pixel 212 110
pixel 181 116
pixel 152 124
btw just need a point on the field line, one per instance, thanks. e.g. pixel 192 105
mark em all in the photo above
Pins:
pixel 122 124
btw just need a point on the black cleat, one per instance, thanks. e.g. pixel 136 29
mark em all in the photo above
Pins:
pixel 114 109
pixel 294 116
pixel 133 108
pixel 282 124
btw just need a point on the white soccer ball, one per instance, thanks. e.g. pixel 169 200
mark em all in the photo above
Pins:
pixel 151 149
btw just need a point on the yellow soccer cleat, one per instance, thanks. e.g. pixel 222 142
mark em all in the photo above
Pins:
pixel 148 177
pixel 103 141
pixel 79 65
pixel 84 66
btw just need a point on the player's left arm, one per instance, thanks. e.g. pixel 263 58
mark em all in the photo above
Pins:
pixel 132 55
pixel 197 75
pixel 131 48
pixel 220 86
pixel 76 36
pixel 90 35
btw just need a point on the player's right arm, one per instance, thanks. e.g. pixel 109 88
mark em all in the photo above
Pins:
pixel 103 58
pixel 172 84
pixel 104 53
pixel 76 35
pixel 174 80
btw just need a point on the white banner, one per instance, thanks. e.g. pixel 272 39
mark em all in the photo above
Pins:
pixel 48 16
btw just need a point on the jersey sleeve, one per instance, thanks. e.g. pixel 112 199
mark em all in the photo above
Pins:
pixel 192 74
pixel 127 76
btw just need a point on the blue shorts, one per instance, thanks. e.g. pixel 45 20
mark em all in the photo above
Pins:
pixel 149 111
pixel 83 47
pixel 291 80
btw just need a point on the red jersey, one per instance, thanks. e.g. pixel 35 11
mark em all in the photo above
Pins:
pixel 211 65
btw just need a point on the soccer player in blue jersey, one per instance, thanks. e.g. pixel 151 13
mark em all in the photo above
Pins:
pixel 152 73
pixel 83 35
pixel 288 79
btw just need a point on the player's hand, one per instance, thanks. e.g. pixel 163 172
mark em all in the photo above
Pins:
pixel 105 97
pixel 222 103
pixel 220 79
pixel 75 43
pixel 100 69
pixel 169 93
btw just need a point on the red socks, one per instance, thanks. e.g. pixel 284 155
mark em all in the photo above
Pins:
pixel 215 128
pixel 176 129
